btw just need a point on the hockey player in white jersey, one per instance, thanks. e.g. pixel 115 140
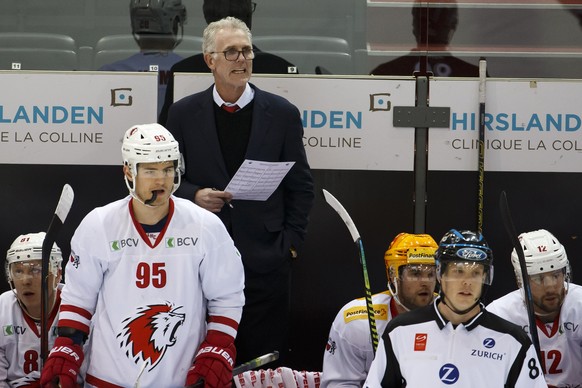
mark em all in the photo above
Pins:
pixel 154 281
pixel 455 341
pixel 20 308
pixel 410 268
pixel 557 306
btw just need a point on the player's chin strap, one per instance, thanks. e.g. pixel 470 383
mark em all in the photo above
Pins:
pixel 394 293
pixel 25 309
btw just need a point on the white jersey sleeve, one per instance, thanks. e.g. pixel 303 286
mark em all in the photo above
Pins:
pixel 560 341
pixel 20 342
pixel 349 350
pixel 145 299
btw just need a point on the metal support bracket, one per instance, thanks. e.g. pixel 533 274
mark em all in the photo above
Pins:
pixel 421 116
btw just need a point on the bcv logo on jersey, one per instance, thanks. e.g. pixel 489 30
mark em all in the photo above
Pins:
pixel 173 242
pixel 9 330
pixel 118 245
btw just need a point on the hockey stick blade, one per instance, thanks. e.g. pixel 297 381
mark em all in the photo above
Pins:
pixel 344 215
pixel 510 228
pixel 57 221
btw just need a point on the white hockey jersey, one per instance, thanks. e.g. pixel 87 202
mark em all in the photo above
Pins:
pixel 560 341
pixel 20 342
pixel 422 349
pixel 146 298
pixel 349 352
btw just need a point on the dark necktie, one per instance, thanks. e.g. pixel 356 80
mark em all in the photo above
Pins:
pixel 230 109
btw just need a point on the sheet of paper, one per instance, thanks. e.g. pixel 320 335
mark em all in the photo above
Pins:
pixel 256 180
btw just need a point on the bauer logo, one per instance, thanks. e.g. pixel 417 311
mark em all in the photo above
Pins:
pixel 471 254
pixel 173 242
pixel 380 102
pixel 121 97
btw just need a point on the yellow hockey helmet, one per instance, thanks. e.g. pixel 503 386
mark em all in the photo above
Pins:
pixel 407 248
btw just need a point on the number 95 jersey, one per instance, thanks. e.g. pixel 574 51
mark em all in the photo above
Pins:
pixel 146 297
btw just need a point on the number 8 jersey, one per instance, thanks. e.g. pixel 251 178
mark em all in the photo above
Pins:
pixel 20 359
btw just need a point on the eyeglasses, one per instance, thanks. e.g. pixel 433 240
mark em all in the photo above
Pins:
pixel 253 6
pixel 233 54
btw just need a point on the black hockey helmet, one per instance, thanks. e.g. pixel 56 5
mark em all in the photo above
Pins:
pixel 465 246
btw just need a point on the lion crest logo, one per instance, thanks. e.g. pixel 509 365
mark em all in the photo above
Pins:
pixel 150 332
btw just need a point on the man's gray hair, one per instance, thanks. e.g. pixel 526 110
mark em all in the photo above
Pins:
pixel 229 22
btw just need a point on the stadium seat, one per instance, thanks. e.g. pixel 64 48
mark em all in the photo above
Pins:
pixel 37 51
pixel 114 48
pixel 311 54
pixel 308 61
pixel 301 43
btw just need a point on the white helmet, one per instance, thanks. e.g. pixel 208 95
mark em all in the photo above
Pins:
pixel 150 143
pixel 543 253
pixel 28 247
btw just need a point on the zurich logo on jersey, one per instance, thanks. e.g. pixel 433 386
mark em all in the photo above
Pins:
pixel 489 343
pixel 449 374
pixel 472 254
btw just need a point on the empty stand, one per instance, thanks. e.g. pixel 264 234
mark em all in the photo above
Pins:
pixel 37 51
pixel 331 54
pixel 301 43
pixel 114 48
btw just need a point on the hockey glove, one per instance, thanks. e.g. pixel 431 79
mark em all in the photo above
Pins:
pixel 62 365
pixel 213 363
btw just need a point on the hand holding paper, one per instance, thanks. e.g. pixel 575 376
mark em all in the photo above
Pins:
pixel 256 180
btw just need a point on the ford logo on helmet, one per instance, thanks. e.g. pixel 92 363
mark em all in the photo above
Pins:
pixel 472 254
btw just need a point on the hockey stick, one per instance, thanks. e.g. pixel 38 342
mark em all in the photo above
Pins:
pixel 244 367
pixel 63 207
pixel 481 161
pixel 510 228
pixel 342 212
pixel 256 362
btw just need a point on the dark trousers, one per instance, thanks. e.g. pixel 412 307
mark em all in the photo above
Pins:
pixel 264 326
